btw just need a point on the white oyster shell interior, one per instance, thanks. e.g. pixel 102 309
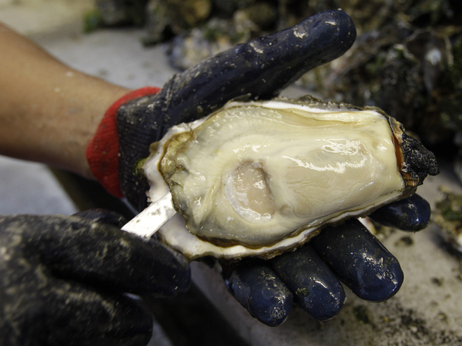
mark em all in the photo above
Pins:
pixel 260 177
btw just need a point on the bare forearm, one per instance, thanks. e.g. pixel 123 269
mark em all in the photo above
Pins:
pixel 48 111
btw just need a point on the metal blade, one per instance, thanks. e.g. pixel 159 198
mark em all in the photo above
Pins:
pixel 148 222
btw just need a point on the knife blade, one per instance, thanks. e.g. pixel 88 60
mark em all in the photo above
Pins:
pixel 151 219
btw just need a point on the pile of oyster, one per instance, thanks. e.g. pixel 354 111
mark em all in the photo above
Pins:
pixel 261 178
pixel 406 60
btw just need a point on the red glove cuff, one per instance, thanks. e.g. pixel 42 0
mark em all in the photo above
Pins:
pixel 103 150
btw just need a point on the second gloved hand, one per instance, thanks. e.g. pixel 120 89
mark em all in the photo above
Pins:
pixel 63 279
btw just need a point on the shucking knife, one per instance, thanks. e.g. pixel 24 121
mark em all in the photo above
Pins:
pixel 151 219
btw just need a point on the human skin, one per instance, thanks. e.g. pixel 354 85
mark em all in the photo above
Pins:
pixel 48 111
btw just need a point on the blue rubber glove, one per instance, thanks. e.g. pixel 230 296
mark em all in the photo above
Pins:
pixel 312 275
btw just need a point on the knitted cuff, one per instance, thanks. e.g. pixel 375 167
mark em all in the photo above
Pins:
pixel 103 149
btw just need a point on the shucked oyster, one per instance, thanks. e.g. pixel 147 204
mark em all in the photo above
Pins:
pixel 260 178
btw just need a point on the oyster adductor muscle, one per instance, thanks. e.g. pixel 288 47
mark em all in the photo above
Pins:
pixel 262 177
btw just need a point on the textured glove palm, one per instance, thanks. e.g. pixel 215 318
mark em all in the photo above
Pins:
pixel 63 281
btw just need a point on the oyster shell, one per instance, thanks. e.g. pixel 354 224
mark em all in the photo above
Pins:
pixel 260 178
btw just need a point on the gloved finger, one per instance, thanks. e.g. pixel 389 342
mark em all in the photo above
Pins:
pixel 258 289
pixel 359 260
pixel 316 289
pixel 262 67
pixel 410 214
pixel 104 256
pixel 70 314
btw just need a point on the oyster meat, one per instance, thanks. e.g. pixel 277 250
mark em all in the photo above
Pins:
pixel 263 177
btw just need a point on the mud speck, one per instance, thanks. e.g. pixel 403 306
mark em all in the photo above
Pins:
pixel 362 314
pixel 437 281
pixel 404 241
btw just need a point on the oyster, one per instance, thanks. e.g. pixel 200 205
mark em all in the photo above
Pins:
pixel 260 178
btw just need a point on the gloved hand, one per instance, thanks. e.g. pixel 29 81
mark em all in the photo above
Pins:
pixel 261 68
pixel 63 279
pixel 311 276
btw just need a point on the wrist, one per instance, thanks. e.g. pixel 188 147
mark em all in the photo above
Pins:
pixel 48 111
pixel 102 152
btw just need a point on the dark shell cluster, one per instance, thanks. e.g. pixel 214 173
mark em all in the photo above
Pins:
pixel 406 60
